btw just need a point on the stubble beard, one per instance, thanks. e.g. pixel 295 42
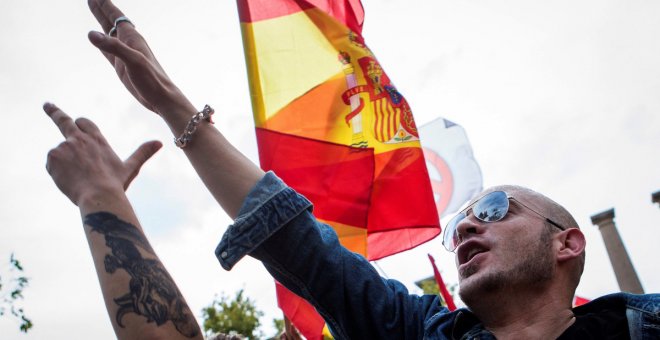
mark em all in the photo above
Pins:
pixel 529 272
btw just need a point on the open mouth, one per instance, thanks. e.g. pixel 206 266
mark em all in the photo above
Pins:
pixel 469 250
pixel 474 252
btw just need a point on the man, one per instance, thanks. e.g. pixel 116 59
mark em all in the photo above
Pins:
pixel 519 257
pixel 519 254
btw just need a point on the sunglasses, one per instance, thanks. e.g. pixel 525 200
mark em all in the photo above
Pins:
pixel 492 207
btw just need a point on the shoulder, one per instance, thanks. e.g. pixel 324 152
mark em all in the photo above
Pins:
pixel 645 302
pixel 649 303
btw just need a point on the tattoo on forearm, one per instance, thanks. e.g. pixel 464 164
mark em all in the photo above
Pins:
pixel 152 292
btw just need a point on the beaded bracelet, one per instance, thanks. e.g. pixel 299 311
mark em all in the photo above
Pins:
pixel 186 136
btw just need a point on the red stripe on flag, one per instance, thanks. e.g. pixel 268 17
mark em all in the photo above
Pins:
pixel 348 12
pixel 386 243
pixel 391 124
pixel 300 312
pixel 257 10
pixel 449 300
pixel 387 116
pixel 401 198
pixel 336 178
pixel 378 126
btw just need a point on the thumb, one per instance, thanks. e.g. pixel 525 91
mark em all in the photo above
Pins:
pixel 135 161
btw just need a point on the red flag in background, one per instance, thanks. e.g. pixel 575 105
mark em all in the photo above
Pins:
pixel 449 300
pixel 333 126
pixel 308 321
pixel 579 301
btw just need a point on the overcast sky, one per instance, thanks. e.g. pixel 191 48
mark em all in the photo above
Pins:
pixel 561 96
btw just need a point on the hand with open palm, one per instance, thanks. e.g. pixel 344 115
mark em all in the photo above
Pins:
pixel 135 64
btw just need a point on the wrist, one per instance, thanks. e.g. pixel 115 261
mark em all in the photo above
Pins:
pixel 176 109
pixel 191 127
pixel 101 199
pixel 177 118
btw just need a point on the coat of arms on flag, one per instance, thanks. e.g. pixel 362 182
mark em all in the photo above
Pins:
pixel 334 127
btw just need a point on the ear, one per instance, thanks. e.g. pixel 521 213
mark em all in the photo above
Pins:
pixel 572 243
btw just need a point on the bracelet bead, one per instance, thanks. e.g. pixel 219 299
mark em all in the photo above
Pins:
pixel 191 127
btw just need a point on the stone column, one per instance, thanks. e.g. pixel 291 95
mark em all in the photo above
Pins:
pixel 623 267
pixel 655 197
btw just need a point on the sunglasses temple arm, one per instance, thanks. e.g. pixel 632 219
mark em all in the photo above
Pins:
pixel 554 224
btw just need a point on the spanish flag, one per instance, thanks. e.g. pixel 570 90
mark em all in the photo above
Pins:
pixel 333 126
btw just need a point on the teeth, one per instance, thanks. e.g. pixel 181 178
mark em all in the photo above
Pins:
pixel 472 253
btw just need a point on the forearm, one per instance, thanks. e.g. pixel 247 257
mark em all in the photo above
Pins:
pixel 141 298
pixel 225 171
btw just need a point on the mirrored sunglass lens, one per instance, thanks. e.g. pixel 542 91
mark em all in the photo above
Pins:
pixel 450 239
pixel 492 207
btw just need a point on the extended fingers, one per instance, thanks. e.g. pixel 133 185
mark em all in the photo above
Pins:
pixel 87 126
pixel 105 13
pixel 112 47
pixel 62 120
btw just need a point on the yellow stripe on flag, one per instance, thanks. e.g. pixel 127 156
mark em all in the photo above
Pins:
pixel 352 238
pixel 296 55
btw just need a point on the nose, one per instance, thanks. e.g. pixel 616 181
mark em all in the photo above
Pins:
pixel 470 225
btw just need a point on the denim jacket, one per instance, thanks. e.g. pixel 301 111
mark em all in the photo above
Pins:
pixel 276 226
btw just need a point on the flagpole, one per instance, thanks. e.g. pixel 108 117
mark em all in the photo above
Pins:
pixel 380 270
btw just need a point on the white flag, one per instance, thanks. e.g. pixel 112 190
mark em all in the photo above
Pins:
pixel 455 174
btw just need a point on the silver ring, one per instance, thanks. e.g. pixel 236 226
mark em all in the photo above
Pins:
pixel 119 20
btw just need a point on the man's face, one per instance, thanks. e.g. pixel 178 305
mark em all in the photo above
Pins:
pixel 514 252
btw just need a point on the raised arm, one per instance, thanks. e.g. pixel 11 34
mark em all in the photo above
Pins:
pixel 227 174
pixel 275 225
pixel 142 300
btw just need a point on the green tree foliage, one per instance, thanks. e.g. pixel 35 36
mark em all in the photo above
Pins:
pixel 279 325
pixel 429 286
pixel 453 290
pixel 12 291
pixel 236 316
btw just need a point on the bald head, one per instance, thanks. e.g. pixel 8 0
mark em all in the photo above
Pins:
pixel 540 203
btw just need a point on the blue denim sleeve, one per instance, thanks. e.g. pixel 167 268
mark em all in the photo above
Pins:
pixel 276 226
pixel 269 206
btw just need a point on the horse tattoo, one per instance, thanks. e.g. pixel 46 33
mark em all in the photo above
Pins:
pixel 152 292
